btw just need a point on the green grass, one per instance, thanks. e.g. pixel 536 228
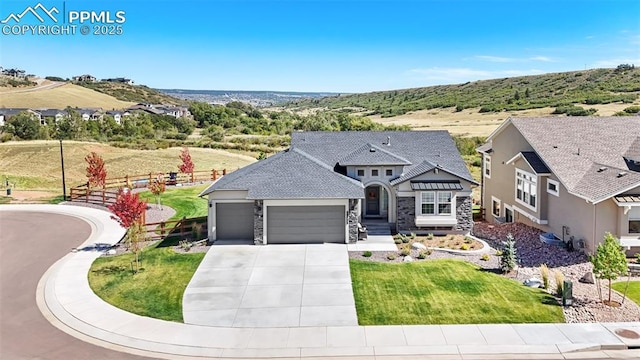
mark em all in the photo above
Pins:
pixel 156 291
pixel 4 199
pixel 633 292
pixel 444 292
pixel 184 200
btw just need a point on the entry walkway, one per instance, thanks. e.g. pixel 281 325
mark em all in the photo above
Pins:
pixel 271 286
pixel 66 300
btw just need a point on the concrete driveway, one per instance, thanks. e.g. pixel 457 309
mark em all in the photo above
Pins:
pixel 271 286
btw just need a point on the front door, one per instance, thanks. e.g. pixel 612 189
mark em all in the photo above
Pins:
pixel 373 200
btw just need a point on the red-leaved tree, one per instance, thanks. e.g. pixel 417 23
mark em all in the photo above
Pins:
pixel 96 172
pixel 187 165
pixel 128 210
pixel 157 188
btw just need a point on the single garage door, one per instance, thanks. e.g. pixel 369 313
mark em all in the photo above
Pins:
pixel 305 224
pixel 234 221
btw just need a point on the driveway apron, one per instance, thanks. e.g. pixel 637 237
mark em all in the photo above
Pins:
pixel 271 286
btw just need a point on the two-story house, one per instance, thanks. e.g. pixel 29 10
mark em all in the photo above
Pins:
pixel 327 182
pixel 575 177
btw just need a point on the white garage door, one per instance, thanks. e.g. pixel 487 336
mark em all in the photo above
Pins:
pixel 305 224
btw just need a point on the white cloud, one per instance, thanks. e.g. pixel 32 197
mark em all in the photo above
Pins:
pixel 460 75
pixel 541 58
pixel 497 59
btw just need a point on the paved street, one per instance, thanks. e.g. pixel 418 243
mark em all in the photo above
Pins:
pixel 30 242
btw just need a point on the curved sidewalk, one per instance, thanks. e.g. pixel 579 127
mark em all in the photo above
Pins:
pixel 66 300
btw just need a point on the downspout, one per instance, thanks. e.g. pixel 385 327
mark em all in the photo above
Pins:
pixel 594 229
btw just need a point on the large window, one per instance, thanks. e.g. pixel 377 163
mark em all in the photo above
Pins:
pixel 436 203
pixel 526 189
pixel 487 166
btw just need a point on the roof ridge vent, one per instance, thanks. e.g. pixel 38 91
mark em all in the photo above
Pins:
pixel 603 168
pixel 622 173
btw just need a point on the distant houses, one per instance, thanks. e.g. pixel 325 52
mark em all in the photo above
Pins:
pixel 84 78
pixel 119 80
pixel 16 73
pixel 45 116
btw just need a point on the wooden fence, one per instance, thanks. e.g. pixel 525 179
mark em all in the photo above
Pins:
pixel 107 194
pixel 185 227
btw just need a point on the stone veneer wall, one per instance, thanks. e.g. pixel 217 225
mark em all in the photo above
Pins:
pixel 464 214
pixel 258 224
pixel 353 221
pixel 406 214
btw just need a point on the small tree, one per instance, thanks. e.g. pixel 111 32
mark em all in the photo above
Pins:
pixel 187 165
pixel 609 261
pixel 96 172
pixel 157 188
pixel 508 260
pixel 128 210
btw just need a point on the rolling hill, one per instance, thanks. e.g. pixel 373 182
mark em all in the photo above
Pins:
pixel 589 87
pixel 59 97
pixel 132 93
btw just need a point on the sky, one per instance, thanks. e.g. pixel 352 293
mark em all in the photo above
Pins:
pixel 319 46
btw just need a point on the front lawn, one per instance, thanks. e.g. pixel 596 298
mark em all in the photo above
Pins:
pixel 184 200
pixel 633 292
pixel 156 291
pixel 444 292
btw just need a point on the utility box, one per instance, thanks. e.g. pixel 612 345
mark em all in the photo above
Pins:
pixel 567 293
pixel 8 191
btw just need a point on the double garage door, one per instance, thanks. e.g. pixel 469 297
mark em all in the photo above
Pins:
pixel 285 224
pixel 305 224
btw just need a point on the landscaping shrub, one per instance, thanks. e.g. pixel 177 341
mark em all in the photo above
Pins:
pixel 397 241
pixel 468 240
pixel 391 256
pixel 367 254
pixel 412 236
pixel 559 282
pixel 464 247
pixel 405 239
pixel 508 260
pixel 422 255
pixel 406 251
pixel 544 273
pixel 430 236
pixel 484 257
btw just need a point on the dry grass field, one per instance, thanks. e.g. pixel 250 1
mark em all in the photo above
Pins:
pixel 35 165
pixel 470 122
pixel 59 97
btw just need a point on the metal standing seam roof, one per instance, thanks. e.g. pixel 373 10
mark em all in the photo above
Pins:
pixel 436 185
pixel 535 162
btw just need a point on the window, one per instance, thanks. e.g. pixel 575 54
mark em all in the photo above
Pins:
pixel 360 172
pixel 634 220
pixel 526 189
pixel 428 203
pixel 374 172
pixel 487 166
pixel 389 172
pixel 436 203
pixel 495 207
pixel 444 203
pixel 553 187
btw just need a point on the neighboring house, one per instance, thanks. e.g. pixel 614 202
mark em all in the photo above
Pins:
pixel 17 73
pixel 84 78
pixel 52 115
pixel 8 113
pixel 90 113
pixel 327 182
pixel 118 115
pixel 575 177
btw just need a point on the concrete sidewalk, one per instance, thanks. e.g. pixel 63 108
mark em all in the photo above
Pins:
pixel 67 301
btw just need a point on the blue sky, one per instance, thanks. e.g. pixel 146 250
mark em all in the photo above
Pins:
pixel 330 45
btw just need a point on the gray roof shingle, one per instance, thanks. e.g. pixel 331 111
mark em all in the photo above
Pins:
pixel 372 155
pixel 434 146
pixel 290 174
pixel 573 148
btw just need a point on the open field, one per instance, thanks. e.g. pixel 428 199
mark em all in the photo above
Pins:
pixel 469 122
pixel 59 97
pixel 35 165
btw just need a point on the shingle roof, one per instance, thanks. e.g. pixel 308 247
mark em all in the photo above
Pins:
pixel 291 174
pixel 435 146
pixel 370 154
pixel 575 147
pixel 633 152
pixel 417 170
